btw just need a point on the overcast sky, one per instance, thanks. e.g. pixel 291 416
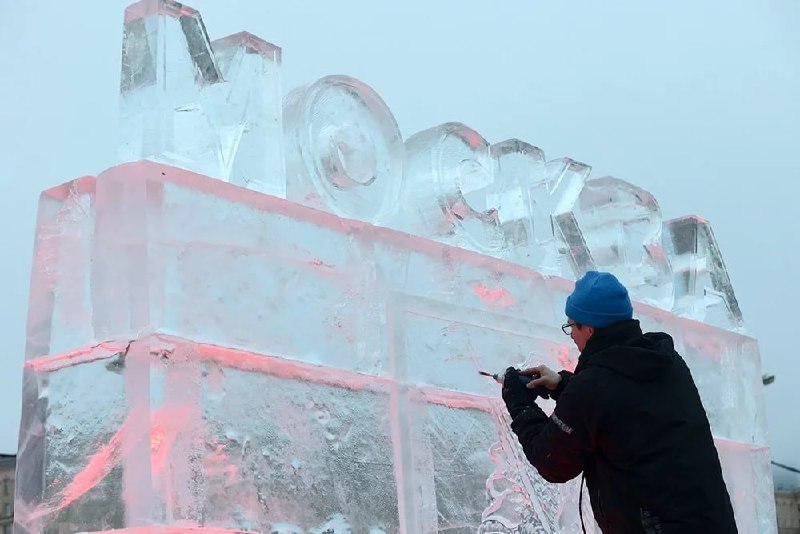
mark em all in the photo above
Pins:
pixel 697 102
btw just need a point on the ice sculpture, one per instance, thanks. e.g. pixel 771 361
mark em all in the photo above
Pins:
pixel 621 226
pixel 503 200
pixel 209 107
pixel 203 357
pixel 703 289
pixel 454 161
pixel 345 151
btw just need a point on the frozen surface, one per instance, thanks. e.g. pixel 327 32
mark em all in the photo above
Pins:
pixel 344 149
pixel 329 375
pixel 210 107
pixel 216 108
pixel 503 200
pixel 747 470
pixel 237 441
pixel 621 226
pixel 703 289
pixel 203 357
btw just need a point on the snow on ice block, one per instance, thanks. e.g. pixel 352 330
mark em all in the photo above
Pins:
pixel 203 355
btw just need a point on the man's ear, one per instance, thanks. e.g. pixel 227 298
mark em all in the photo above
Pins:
pixel 591 330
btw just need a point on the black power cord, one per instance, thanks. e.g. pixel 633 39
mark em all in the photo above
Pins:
pixel 788 468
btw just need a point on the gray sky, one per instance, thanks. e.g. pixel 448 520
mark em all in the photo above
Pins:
pixel 697 102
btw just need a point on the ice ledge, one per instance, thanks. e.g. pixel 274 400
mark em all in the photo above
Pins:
pixel 148 171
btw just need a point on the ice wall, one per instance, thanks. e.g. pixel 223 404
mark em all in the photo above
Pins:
pixel 297 350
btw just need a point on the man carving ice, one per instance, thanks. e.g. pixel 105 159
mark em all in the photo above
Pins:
pixel 629 418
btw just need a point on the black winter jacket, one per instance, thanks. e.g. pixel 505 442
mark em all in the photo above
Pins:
pixel 631 419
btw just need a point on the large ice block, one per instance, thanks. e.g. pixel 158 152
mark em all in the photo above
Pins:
pixel 235 440
pixel 503 199
pixel 190 435
pixel 448 167
pixel 202 356
pixel 531 196
pixel 214 108
pixel 747 473
pixel 242 441
pixel 621 226
pixel 344 149
pixel 703 289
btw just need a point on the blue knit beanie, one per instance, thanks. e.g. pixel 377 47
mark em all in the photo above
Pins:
pixel 599 300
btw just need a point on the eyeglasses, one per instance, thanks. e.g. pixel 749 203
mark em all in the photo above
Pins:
pixel 567 328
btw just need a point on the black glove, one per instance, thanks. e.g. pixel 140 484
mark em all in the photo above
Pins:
pixel 516 396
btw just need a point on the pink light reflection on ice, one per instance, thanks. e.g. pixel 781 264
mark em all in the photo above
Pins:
pixel 99 465
pixel 166 425
pixel 454 399
pixel 289 369
pixel 316 262
pixel 493 296
pixel 148 8
pixel 48 364
pixel 566 362
pixel 216 464
pixel 474 139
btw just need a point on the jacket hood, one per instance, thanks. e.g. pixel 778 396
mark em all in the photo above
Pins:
pixel 623 349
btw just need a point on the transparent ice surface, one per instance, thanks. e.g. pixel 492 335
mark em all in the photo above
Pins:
pixel 206 359
pixel 747 473
pixel 248 118
pixel 447 169
pixel 621 228
pixel 725 367
pixel 344 149
pixel 703 289
pixel 209 107
pixel 502 199
pixel 291 369
pixel 531 196
pixel 59 307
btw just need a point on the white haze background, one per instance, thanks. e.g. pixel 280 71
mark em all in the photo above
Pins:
pixel 697 102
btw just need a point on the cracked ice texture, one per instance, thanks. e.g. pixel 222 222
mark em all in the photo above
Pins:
pixel 292 369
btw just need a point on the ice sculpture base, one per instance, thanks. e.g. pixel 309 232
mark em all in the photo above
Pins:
pixel 252 362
